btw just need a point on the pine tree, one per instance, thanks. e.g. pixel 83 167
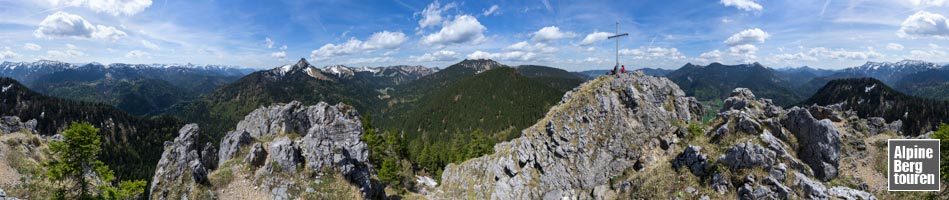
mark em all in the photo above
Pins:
pixel 77 155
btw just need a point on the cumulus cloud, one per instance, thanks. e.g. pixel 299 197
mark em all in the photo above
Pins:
pixel 711 56
pixel 744 53
pixel 8 54
pixel 432 15
pixel 385 40
pixel 844 54
pixel 280 55
pixel 928 2
pixel 463 29
pixel 800 56
pixel 112 7
pixel 137 54
pixel 507 56
pixel 442 55
pixel 378 40
pixel 370 60
pixel 268 42
pixel 652 53
pixel 62 24
pixel 924 24
pixel 32 47
pixel 525 46
pixel 150 45
pixel 492 11
pixel 68 53
pixel 746 5
pixel 551 33
pixel 894 46
pixel 748 36
pixel 594 38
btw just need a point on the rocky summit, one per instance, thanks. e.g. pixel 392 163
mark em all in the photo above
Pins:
pixel 283 151
pixel 632 136
pixel 597 131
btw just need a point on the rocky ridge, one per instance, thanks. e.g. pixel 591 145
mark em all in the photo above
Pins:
pixel 629 136
pixel 283 150
pixel 598 131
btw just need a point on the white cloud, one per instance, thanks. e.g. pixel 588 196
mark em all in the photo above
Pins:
pixel 928 2
pixel 432 15
pixel 894 46
pixel 525 46
pixel 378 40
pixel 385 40
pixel 370 60
pixel 711 56
pixel 744 53
pixel 746 5
pixel 748 36
pixel 920 54
pixel 595 37
pixel 800 56
pixel 652 53
pixel 150 45
pixel 32 46
pixel 492 11
pixel 280 55
pixel 839 54
pixel 268 42
pixel 68 53
pixel 332 50
pixel 508 56
pixel 463 29
pixel 924 24
pixel 283 48
pixel 137 54
pixel 8 54
pixel 113 7
pixel 551 33
pixel 62 24
pixel 442 55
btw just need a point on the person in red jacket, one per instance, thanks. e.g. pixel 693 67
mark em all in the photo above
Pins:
pixel 623 70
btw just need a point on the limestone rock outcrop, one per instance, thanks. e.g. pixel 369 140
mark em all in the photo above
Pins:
pixel 180 166
pixel 597 131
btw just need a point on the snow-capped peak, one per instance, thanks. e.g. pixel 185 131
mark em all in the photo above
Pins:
pixel 339 70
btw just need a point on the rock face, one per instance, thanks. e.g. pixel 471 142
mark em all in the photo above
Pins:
pixel 747 155
pixel 9 124
pixel 286 148
pixel 330 141
pixel 179 161
pixel 819 140
pixel 597 131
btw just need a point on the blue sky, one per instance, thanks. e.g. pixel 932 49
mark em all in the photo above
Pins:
pixel 565 34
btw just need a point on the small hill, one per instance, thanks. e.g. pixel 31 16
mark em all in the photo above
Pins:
pixel 716 81
pixel 553 77
pixel 872 98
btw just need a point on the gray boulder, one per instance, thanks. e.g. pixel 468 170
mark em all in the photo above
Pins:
pixel 693 159
pixel 747 155
pixel 231 145
pixel 819 141
pixel 812 189
pixel 840 192
pixel 285 154
pixel 198 173
pixel 10 124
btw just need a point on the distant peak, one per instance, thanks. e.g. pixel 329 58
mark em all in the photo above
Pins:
pixel 302 62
